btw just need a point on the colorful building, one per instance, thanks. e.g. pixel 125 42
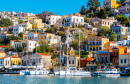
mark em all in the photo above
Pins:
pixel 111 43
pixel 110 4
pixel 97 43
pixel 122 33
pixel 49 38
pixel 2 54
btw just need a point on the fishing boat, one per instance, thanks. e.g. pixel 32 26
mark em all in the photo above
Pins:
pixel 107 73
pixel 126 72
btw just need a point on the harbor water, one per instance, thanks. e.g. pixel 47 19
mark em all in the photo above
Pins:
pixel 42 79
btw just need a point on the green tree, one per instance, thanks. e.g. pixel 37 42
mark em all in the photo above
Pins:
pixel 102 14
pixel 83 10
pixel 123 2
pixel 111 26
pixel 53 30
pixel 44 48
pixel 5 22
pixel 6 41
pixel 38 31
pixel 93 5
pixel 20 21
pixel 122 18
pixel 103 30
pixel 20 34
pixel 20 49
pixel 76 36
pixel 113 36
pixel 86 19
pixel 75 44
pixel 54 55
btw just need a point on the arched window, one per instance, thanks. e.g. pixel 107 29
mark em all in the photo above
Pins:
pixel 124 60
pixel 121 61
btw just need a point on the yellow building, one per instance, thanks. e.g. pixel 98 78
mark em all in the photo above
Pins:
pixel 110 4
pixel 37 23
pixel 2 54
pixel 112 43
pixel 97 43
pixel 73 60
pixel 27 25
pixel 15 60
pixel 48 38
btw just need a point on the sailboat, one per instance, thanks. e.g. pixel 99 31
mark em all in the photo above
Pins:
pixel 80 71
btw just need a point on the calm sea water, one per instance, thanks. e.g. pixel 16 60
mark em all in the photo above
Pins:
pixel 40 79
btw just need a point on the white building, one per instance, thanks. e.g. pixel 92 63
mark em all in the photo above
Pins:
pixel 74 20
pixel 18 29
pixel 27 45
pixel 39 59
pixel 52 19
pixel 32 35
pixel 5 61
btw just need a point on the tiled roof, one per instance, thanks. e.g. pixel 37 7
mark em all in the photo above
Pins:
pixel 44 54
pixel 3 46
pixel 89 59
pixel 2 52
pixel 4 57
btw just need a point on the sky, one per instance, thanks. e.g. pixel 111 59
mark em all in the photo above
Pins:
pixel 59 7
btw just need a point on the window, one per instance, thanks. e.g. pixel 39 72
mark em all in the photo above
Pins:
pixel 121 61
pixel 108 23
pixel 73 61
pixel 97 48
pixel 99 59
pixel 102 59
pixel 49 37
pixel 100 43
pixel 122 30
pixel 106 59
pixel 90 43
pixel 124 60
pixel 41 37
pixel 77 20
pixel 1 62
pixel 93 48
pixel 74 19
pixel 30 44
pixel 114 60
pixel 93 43
pixel 69 62
pixel 81 20
pixel 96 43
pixel 8 62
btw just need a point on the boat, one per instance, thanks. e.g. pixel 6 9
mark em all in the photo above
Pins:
pixel 39 71
pixel 24 72
pixel 107 73
pixel 81 72
pixel 125 72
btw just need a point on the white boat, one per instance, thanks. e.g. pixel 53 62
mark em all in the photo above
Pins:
pixel 107 73
pixel 38 71
pixel 80 72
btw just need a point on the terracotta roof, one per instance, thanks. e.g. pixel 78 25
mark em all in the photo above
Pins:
pixel 2 52
pixel 44 54
pixel 112 42
pixel 126 54
pixel 89 59
pixel 35 33
pixel 55 15
pixel 14 57
pixel 76 55
pixel 3 46
pixel 30 39
pixel 4 57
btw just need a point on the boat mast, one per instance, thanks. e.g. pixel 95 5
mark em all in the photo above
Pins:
pixel 79 48
pixel 67 47
pixel 60 55
pixel 36 40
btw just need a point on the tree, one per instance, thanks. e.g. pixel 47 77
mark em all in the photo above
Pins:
pixel 102 14
pixel 113 36
pixel 83 10
pixel 76 36
pixel 5 22
pixel 54 55
pixel 93 5
pixel 75 44
pixel 53 30
pixel 38 31
pixel 123 2
pixel 86 19
pixel 44 48
pixel 122 18
pixel 6 41
pixel 20 49
pixel 103 30
pixel 111 26
pixel 20 21
pixel 20 34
